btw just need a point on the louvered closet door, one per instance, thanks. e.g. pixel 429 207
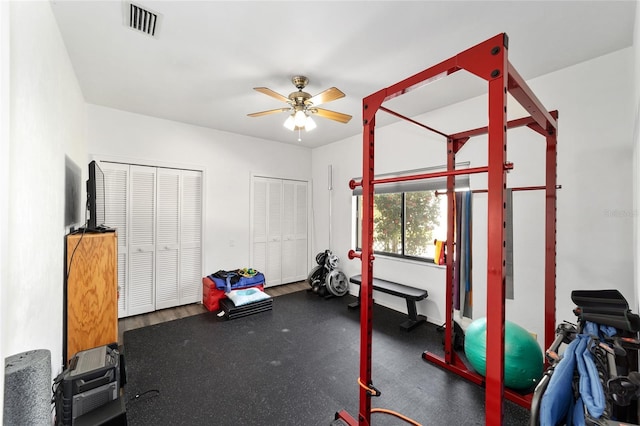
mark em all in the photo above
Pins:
pixel 191 238
pixel 273 273
pixel 259 225
pixel 300 231
pixel 167 292
pixel 294 231
pixel 116 177
pixel 288 232
pixel 279 229
pixel 141 294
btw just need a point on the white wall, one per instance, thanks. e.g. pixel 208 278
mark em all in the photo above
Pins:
pixel 48 120
pixel 594 247
pixel 4 168
pixel 227 159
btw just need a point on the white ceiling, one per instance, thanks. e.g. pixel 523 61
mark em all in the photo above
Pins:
pixel 209 55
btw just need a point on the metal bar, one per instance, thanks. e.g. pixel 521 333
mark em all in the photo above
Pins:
pixel 512 124
pixel 461 370
pixel 430 175
pixel 343 415
pixel 519 188
pixel 366 286
pixel 451 220
pixel 436 72
pixel 550 239
pixel 524 95
pixel 456 367
pixel 366 289
pixel 496 259
pixel 387 110
pixel 522 400
pixel 370 105
pixel 544 132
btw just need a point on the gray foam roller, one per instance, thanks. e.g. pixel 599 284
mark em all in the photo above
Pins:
pixel 27 388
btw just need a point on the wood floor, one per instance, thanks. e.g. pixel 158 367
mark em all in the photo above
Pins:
pixel 137 321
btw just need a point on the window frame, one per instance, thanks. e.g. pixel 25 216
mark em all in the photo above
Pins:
pixel 358 230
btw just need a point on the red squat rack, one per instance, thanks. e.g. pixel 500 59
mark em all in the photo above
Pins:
pixel 489 61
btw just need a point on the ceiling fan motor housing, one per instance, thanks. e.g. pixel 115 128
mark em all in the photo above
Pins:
pixel 299 98
pixel 300 81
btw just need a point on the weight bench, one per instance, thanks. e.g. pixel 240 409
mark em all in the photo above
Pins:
pixel 410 294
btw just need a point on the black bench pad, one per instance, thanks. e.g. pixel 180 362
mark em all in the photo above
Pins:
pixel 231 311
pixel 410 294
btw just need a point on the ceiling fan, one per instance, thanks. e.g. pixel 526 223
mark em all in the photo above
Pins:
pixel 302 105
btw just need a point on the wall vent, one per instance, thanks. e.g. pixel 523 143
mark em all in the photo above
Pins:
pixel 141 19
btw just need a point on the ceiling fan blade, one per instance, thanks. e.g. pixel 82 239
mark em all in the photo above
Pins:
pixel 271 93
pixel 332 115
pixel 331 94
pixel 271 111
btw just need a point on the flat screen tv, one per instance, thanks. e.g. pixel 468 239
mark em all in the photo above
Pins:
pixel 95 198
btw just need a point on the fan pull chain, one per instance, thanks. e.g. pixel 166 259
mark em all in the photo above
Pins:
pixel 299 138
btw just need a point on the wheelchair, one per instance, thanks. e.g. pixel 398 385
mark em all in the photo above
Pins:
pixel 593 377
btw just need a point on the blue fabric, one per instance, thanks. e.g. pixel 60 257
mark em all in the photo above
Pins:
pixel 591 390
pixel 557 403
pixel 242 283
pixel 599 331
pixel 557 400
pixel 577 414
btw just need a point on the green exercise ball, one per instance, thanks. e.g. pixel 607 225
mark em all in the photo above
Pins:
pixel 523 358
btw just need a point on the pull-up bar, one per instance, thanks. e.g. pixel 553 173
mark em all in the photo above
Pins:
pixel 353 184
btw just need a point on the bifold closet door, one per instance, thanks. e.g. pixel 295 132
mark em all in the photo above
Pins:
pixel 158 213
pixel 191 237
pixel 300 231
pixel 179 238
pixel 294 231
pixel 142 239
pixel 116 177
pixel 259 227
pixel 266 229
pixel 279 229
pixel 130 204
pixel 273 272
pixel 168 239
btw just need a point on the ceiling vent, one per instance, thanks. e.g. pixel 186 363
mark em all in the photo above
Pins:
pixel 141 19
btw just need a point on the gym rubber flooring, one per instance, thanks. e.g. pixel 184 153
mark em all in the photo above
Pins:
pixel 297 364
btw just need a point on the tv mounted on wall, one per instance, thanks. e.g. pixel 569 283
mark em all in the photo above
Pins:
pixel 96 198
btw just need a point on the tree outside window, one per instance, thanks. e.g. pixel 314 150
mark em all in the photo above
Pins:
pixel 405 224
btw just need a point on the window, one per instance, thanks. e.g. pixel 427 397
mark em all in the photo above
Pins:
pixel 405 224
pixel 408 215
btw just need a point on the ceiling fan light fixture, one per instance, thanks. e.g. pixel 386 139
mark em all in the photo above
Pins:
pixel 301 105
pixel 310 124
pixel 290 123
pixel 300 118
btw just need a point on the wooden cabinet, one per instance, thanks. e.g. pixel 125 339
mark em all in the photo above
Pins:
pixel 91 292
